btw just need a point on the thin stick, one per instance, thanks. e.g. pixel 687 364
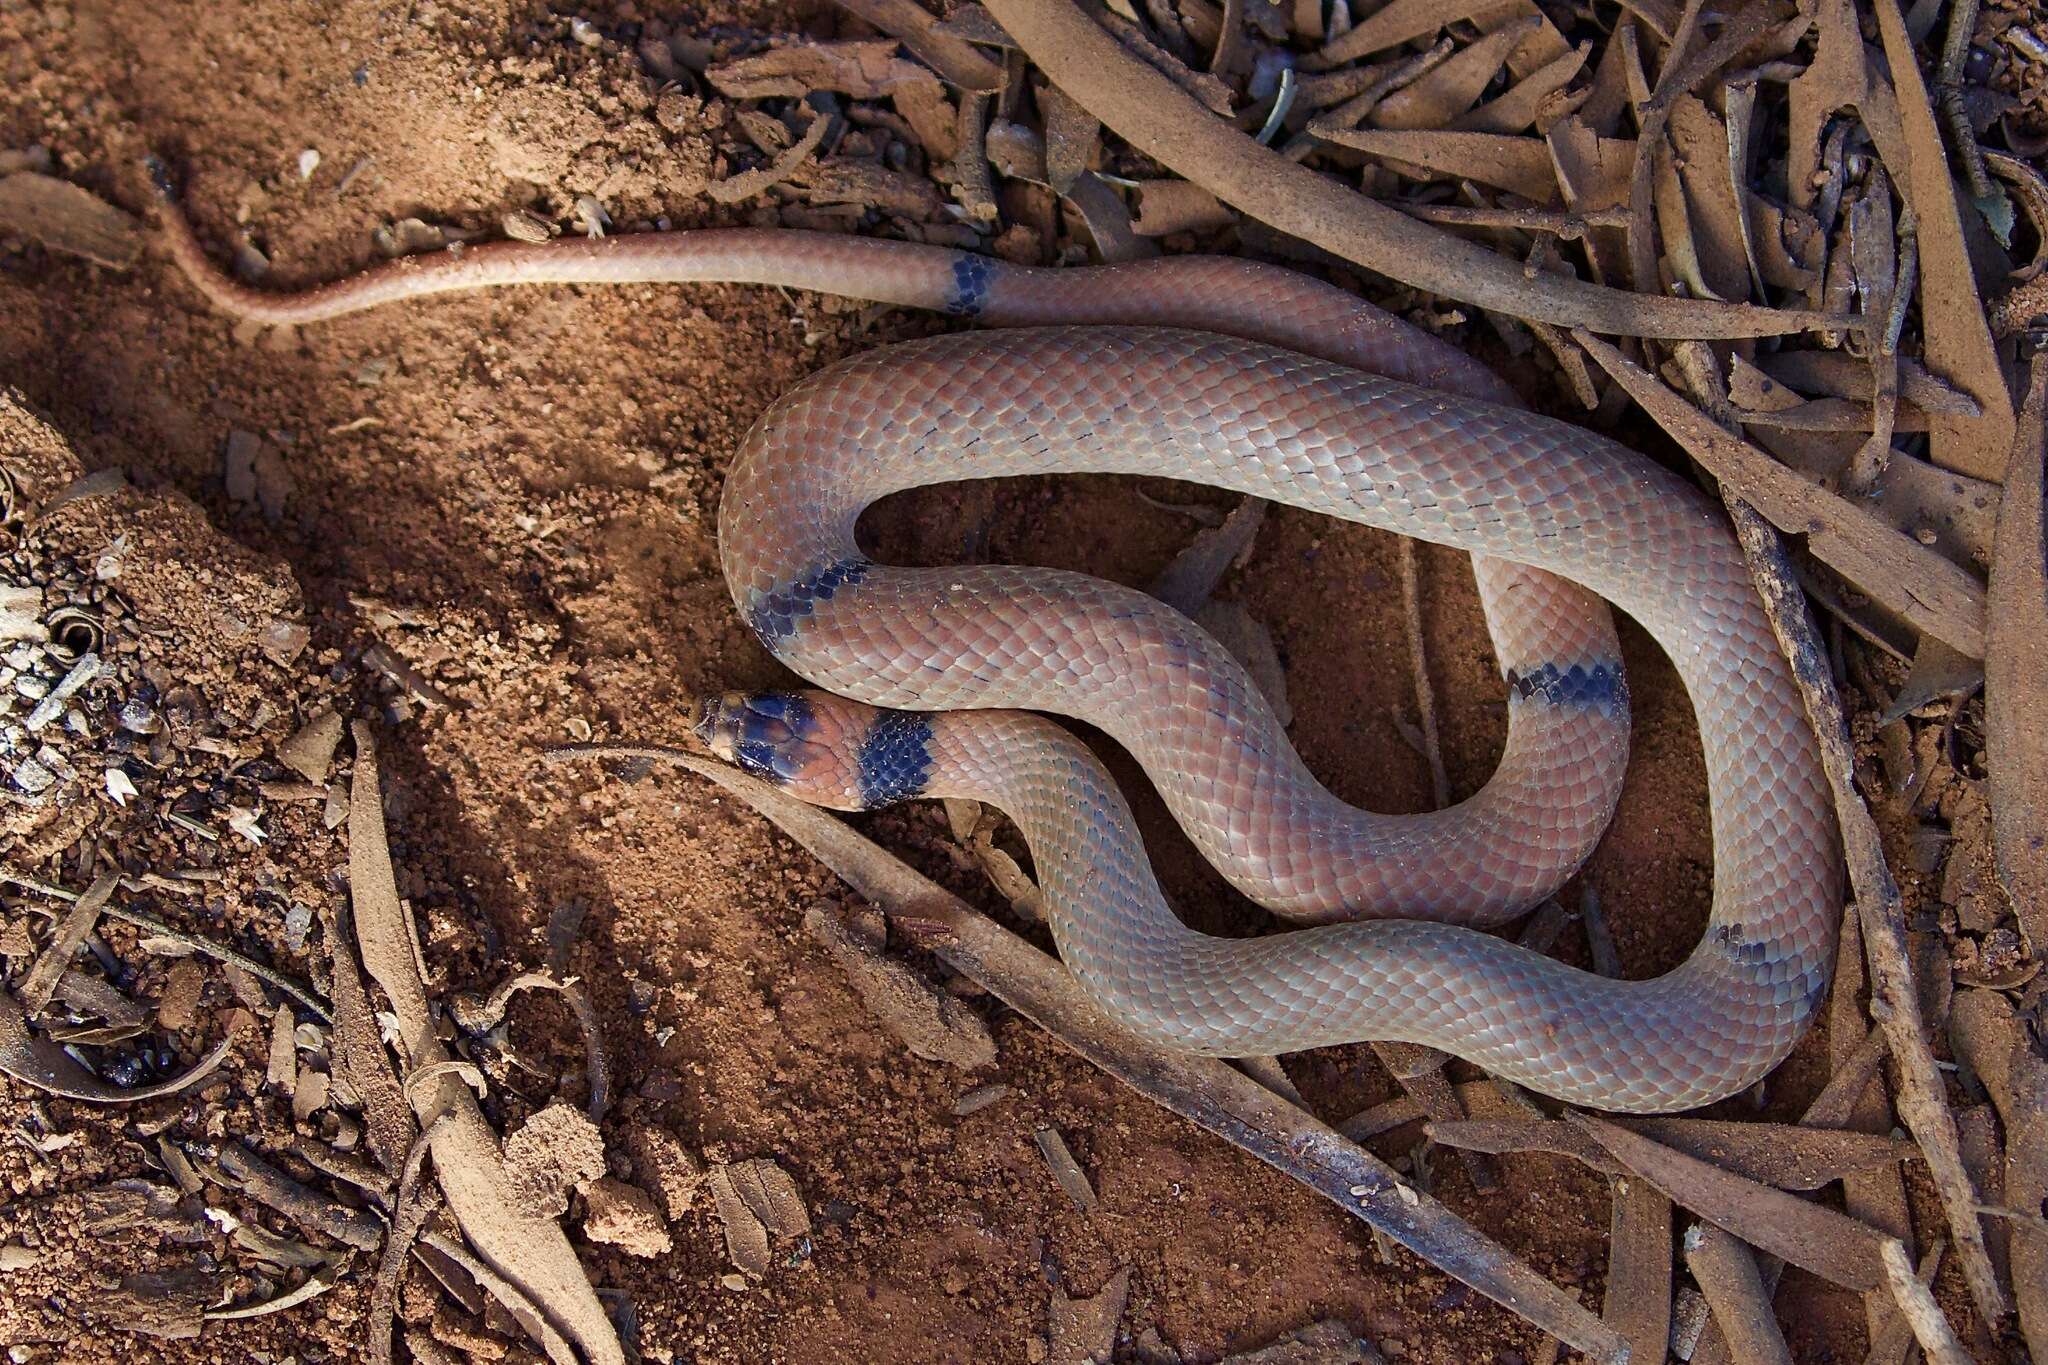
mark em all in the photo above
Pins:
pixel 1203 1090
pixel 1726 1269
pixel 142 919
pixel 1568 226
pixel 1916 1304
pixel 41 982
pixel 1418 659
pixel 410 1210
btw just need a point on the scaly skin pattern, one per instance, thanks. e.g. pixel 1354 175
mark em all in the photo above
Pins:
pixel 1554 793
pixel 1265 396
pixel 1239 415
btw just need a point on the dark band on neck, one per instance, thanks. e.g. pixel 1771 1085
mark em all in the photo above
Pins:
pixel 895 758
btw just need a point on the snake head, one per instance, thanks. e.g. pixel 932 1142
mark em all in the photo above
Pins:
pixel 807 743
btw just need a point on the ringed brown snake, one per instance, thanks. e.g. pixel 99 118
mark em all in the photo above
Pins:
pixel 1247 377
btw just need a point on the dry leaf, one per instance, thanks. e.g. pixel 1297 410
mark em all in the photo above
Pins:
pixel 1903 575
pixel 1835 1247
pixel 529 1252
pixel 933 1025
pixel 1518 108
pixel 863 70
pixel 2016 678
pixel 65 218
pixel 1638 1299
pixel 952 56
pixel 1520 165
pixel 1436 99
pixel 759 1205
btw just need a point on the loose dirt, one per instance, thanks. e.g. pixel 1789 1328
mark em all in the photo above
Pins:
pixel 517 494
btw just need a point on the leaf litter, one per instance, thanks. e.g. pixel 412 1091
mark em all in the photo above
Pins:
pixel 1786 172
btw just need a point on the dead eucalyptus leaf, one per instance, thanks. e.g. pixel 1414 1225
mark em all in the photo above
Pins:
pixel 1438 98
pixel 1520 165
pixel 863 70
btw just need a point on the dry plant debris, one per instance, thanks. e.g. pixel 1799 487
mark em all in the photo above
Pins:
pixel 1769 225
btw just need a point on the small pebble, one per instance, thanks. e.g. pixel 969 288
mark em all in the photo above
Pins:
pixel 522 226
pixel 309 161
pixel 33 778
pixel 137 717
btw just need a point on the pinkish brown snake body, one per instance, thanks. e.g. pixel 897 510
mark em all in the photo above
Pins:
pixel 1241 376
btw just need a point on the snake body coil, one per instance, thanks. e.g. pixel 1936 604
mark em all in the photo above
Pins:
pixel 1244 377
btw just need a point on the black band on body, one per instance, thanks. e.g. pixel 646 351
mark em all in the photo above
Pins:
pixel 970 285
pixel 1598 686
pixel 776 615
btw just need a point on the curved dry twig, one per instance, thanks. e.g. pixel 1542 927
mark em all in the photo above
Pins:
pixel 46 1066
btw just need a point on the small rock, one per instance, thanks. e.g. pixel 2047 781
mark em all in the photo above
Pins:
pixel 33 778
pixel 310 752
pixel 15 1257
pixel 1084 1330
pixel 522 226
pixel 665 1168
pixel 15 941
pixel 555 1151
pixel 179 1008
pixel 56 764
pixel 21 612
pixel 238 463
pixel 622 1215
pixel 1328 1342
pixel 138 717
pixel 273 482
pixel 656 58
